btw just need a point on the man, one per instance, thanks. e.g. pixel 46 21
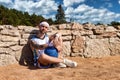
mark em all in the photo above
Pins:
pixel 40 43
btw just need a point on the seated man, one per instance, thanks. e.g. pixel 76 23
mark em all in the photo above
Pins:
pixel 40 43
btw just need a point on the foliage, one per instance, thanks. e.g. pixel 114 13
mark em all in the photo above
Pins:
pixel 14 17
pixel 60 16
pixel 114 23
pixel 99 24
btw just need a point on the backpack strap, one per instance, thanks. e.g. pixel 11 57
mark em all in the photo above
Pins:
pixel 35 57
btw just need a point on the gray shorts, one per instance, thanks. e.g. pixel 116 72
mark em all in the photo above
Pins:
pixel 40 52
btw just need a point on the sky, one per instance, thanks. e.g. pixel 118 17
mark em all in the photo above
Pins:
pixel 82 11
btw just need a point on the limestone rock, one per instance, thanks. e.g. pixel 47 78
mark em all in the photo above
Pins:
pixel 97 48
pixel 7 59
pixel 78 45
pixel 66 49
pixel 14 33
pixel 77 26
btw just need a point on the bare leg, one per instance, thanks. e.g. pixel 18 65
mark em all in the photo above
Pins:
pixel 45 59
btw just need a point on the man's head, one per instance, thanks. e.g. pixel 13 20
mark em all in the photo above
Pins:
pixel 43 27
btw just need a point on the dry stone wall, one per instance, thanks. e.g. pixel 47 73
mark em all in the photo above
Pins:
pixel 84 40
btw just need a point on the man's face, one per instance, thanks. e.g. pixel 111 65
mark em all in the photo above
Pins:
pixel 43 29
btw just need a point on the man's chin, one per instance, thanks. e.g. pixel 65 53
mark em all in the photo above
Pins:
pixel 43 32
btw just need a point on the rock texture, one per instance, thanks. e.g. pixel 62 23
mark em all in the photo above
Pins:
pixel 84 40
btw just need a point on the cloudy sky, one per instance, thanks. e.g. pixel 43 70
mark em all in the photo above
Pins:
pixel 94 11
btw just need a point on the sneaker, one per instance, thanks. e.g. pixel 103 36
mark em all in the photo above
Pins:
pixel 60 65
pixel 70 63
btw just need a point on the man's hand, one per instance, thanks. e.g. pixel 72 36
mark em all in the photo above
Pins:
pixel 45 45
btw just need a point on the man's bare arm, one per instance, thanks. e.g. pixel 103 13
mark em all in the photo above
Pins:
pixel 37 46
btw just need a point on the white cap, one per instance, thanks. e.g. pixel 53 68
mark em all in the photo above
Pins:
pixel 44 24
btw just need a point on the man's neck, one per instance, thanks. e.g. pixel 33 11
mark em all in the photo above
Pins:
pixel 41 35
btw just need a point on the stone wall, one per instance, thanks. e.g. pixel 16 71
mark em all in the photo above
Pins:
pixel 85 40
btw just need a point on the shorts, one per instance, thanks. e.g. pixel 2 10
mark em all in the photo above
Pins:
pixel 51 51
pixel 40 52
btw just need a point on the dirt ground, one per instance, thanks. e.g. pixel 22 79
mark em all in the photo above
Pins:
pixel 107 68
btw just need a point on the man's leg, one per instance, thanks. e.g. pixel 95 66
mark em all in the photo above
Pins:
pixel 45 60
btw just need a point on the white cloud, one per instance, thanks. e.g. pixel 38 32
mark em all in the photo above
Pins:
pixel 84 13
pixel 22 5
pixel 40 7
pixel 82 8
pixel 69 10
pixel 43 7
pixel 71 2
pixel 119 1
pixel 5 1
pixel 47 8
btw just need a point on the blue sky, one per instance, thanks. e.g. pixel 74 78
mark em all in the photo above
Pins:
pixel 93 11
